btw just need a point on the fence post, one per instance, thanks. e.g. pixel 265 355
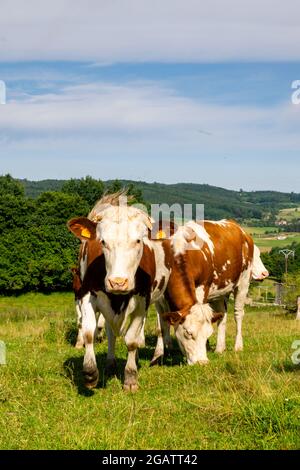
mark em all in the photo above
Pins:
pixel 2 353
pixel 298 311
pixel 278 297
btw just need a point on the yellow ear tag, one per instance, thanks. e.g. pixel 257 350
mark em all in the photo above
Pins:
pixel 85 233
pixel 161 234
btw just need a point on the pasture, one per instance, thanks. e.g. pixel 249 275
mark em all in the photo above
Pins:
pixel 249 400
pixel 266 241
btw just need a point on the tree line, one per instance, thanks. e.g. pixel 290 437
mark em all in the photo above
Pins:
pixel 36 249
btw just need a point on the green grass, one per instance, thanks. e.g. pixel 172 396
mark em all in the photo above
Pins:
pixel 272 243
pixel 259 230
pixel 290 214
pixel 266 241
pixel 249 400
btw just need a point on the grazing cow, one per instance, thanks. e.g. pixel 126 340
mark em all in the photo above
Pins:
pixel 127 274
pixel 259 271
pixel 212 260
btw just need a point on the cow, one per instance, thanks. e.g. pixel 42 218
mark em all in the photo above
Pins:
pixel 94 251
pixel 259 271
pixel 77 284
pixel 130 272
pixel 212 260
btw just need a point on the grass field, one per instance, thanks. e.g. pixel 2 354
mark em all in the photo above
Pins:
pixel 290 214
pixel 266 241
pixel 249 400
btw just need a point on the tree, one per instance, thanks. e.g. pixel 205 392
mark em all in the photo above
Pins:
pixel 8 185
pixel 87 188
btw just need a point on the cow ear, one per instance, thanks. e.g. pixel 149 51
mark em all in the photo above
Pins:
pixel 189 234
pixel 148 221
pixel 82 228
pixel 173 317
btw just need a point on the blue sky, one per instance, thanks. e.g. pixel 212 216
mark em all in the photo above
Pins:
pixel 130 100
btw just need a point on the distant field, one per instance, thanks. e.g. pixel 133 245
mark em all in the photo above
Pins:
pixel 268 244
pixel 259 230
pixel 265 241
pixel 239 401
pixel 289 214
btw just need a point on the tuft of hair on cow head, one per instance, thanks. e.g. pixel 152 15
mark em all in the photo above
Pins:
pixel 82 228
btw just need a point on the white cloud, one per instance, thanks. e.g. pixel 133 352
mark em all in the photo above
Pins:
pixel 106 31
pixel 148 113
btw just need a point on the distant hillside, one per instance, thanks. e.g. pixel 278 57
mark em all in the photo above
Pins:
pixel 219 203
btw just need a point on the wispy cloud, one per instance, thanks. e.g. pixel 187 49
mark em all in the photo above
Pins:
pixel 148 110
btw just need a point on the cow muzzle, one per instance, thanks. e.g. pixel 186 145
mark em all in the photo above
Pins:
pixel 117 285
pixel 262 276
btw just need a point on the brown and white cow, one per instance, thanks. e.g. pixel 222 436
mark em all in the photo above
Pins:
pixel 259 271
pixel 212 260
pixel 78 276
pixel 130 272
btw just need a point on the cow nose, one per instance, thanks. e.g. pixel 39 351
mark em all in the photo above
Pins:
pixel 265 274
pixel 118 283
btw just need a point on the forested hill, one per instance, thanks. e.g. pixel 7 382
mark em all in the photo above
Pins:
pixel 219 202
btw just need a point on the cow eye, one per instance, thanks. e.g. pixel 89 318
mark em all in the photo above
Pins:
pixel 138 241
pixel 103 242
pixel 187 333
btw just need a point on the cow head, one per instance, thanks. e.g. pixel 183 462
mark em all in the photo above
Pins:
pixel 192 331
pixel 259 271
pixel 121 230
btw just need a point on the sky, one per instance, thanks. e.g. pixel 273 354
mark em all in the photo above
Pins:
pixel 173 91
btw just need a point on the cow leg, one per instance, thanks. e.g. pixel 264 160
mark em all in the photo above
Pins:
pixel 134 339
pixel 90 370
pixel 221 307
pixel 100 327
pixel 79 342
pixel 111 363
pixel 164 340
pixel 240 296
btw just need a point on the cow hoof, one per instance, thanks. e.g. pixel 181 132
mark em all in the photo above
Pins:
pixel 130 382
pixel 156 360
pixel 203 362
pixel 111 367
pixel 220 350
pixel 79 345
pixel 130 387
pixel 91 377
pixel 238 348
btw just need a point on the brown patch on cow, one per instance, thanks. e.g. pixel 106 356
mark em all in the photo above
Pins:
pixel 132 346
pixel 147 263
pixel 217 316
pixel 89 338
pixel 192 270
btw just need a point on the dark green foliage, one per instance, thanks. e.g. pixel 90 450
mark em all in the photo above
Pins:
pixel 275 262
pixel 9 185
pixel 89 189
pixel 36 258
pixel 36 249
pixel 256 207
